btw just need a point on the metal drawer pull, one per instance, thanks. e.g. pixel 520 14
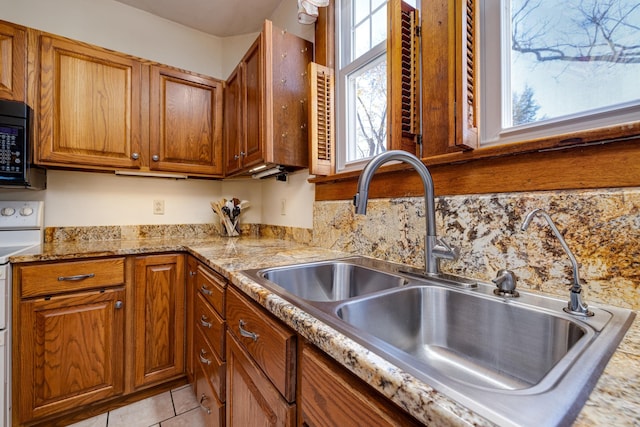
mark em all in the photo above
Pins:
pixel 76 278
pixel 204 398
pixel 203 322
pixel 203 359
pixel 205 291
pixel 246 333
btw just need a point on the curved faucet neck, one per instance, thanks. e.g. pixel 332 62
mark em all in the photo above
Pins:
pixel 434 249
pixel 362 196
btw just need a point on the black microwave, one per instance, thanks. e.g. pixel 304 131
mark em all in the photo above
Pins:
pixel 16 167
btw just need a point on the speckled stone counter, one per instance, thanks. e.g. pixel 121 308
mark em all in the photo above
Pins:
pixel 614 401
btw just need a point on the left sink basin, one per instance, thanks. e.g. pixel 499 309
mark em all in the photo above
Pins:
pixel 331 280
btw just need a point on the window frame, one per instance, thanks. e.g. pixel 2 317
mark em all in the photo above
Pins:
pixel 607 157
pixel 345 111
pixel 494 73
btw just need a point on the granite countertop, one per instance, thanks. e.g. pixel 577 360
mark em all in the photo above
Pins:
pixel 615 399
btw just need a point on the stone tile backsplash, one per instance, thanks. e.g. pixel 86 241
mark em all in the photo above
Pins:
pixel 601 227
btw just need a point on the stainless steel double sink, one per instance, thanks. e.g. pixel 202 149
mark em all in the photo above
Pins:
pixel 515 361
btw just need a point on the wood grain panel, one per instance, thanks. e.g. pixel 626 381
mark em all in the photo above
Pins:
pixel 71 352
pixel 214 411
pixel 89 105
pixel 61 277
pixel 252 400
pixel 13 62
pixel 600 166
pixel 331 396
pixel 210 325
pixel 288 103
pixel 234 121
pixel 185 122
pixel 159 318
pixel 211 286
pixel 253 95
pixel 211 364
pixel 274 349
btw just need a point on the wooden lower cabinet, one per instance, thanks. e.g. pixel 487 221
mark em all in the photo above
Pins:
pixel 252 400
pixel 192 266
pixel 159 318
pixel 213 409
pixel 71 353
pixel 331 396
pixel 206 340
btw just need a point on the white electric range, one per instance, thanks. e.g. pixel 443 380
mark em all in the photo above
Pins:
pixel 21 231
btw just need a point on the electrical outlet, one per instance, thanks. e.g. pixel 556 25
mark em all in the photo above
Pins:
pixel 283 206
pixel 158 207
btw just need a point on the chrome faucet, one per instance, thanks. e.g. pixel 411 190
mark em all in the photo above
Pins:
pixel 435 249
pixel 575 305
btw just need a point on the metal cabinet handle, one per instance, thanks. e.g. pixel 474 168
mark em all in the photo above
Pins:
pixel 118 304
pixel 192 273
pixel 135 156
pixel 203 359
pixel 203 399
pixel 236 157
pixel 76 278
pixel 242 154
pixel 155 157
pixel 245 333
pixel 203 322
pixel 205 291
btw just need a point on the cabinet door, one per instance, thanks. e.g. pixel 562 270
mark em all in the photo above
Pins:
pixel 332 396
pixel 192 271
pixel 254 97
pixel 71 351
pixel 233 121
pixel 13 60
pixel 251 398
pixel 185 122
pixel 159 318
pixel 89 106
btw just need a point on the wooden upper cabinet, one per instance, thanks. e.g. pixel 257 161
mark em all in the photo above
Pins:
pixel 89 106
pixel 266 104
pixel 233 121
pixel 244 112
pixel 185 132
pixel 13 61
pixel 103 110
pixel 254 91
pixel 159 319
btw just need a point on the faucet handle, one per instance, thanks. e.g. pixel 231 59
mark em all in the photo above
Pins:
pixel 443 251
pixel 506 284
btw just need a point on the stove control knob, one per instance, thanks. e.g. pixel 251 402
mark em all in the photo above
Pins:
pixel 26 211
pixel 7 211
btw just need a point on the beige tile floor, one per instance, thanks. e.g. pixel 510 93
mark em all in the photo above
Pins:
pixel 173 408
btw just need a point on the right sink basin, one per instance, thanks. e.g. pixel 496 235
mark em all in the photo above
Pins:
pixel 475 340
pixel 515 361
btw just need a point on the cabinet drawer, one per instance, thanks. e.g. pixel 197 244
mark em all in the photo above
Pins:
pixel 271 344
pixel 47 279
pixel 213 409
pixel 210 324
pixel 211 286
pixel 211 364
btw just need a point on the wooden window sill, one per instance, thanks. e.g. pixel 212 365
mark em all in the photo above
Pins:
pixel 536 166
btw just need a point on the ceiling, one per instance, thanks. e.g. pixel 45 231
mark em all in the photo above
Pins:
pixel 222 18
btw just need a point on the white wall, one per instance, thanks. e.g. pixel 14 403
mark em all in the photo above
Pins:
pixel 116 26
pixel 85 198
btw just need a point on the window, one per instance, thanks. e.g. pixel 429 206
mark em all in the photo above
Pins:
pixel 361 81
pixel 554 67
